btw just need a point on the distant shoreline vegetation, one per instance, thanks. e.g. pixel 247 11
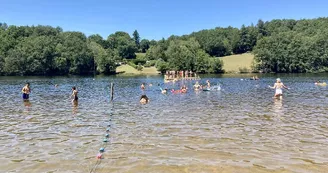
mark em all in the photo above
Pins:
pixel 279 46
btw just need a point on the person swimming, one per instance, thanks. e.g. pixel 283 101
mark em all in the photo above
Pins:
pixel 144 99
pixel 184 89
pixel 320 83
pixel 164 91
pixel 197 86
pixel 26 91
pixel 175 91
pixel 142 86
pixel 74 94
pixel 278 86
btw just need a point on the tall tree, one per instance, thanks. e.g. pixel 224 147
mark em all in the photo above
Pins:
pixel 136 38
pixel 123 43
pixel 261 28
pixel 144 45
pixel 98 39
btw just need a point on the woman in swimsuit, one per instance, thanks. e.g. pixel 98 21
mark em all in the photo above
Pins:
pixel 278 86
pixel 208 84
pixel 74 94
pixel 26 91
pixel 197 86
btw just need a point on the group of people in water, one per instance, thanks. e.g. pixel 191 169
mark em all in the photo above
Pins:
pixel 183 89
pixel 26 90
pixel 278 86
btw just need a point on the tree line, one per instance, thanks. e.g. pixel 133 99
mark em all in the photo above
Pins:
pixel 278 46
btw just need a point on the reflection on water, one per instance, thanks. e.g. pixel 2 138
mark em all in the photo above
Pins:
pixel 27 105
pixel 239 128
pixel 75 105
pixel 277 107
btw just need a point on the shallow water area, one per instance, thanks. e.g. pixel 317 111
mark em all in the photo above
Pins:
pixel 239 128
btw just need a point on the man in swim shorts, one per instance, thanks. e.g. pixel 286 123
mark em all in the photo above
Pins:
pixel 278 86
pixel 26 91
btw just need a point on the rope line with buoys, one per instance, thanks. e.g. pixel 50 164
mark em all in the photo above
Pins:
pixel 105 142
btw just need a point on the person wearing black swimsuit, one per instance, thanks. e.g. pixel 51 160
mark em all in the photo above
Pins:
pixel 74 94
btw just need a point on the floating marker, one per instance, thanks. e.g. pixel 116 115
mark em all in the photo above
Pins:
pixel 108 129
pixel 109 125
pixel 99 156
pixel 105 140
pixel 101 150
pixel 110 119
pixel 107 135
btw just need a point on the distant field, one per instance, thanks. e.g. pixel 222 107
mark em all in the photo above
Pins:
pixel 232 63
pixel 140 55
pixel 127 69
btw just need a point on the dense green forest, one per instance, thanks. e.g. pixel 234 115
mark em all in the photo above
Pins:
pixel 278 45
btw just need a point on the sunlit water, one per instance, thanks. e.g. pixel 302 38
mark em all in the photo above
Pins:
pixel 238 129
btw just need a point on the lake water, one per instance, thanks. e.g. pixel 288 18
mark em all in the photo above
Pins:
pixel 238 129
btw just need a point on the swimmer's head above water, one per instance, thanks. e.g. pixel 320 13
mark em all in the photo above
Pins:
pixel 144 99
pixel 164 91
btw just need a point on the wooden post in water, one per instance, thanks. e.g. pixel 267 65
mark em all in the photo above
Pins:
pixel 111 92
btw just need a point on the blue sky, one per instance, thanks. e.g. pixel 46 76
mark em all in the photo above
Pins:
pixel 153 19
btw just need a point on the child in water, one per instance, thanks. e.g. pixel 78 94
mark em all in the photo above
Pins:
pixel 26 91
pixel 144 99
pixel 74 94
pixel 278 86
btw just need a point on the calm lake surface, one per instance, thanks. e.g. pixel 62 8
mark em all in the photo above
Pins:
pixel 238 129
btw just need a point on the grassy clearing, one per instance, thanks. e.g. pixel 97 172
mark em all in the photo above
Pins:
pixel 127 69
pixel 233 63
pixel 140 55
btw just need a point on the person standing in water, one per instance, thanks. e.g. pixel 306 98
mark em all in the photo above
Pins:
pixel 278 86
pixel 208 84
pixel 26 91
pixel 197 86
pixel 142 86
pixel 74 94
